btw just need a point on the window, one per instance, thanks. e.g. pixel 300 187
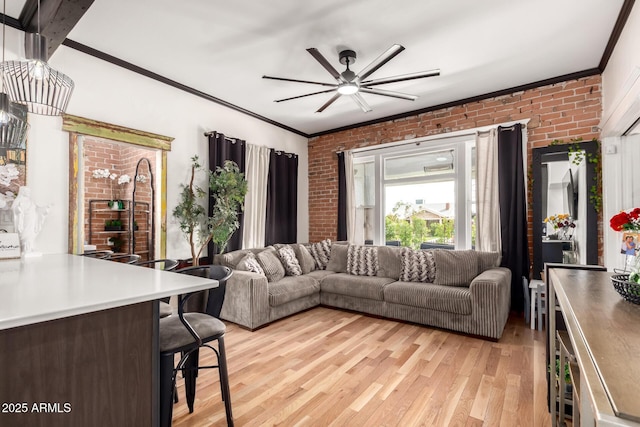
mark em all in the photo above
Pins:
pixel 417 194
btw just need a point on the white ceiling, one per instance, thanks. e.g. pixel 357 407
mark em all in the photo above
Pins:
pixel 224 48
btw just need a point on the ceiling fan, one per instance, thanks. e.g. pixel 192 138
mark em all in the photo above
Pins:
pixel 352 84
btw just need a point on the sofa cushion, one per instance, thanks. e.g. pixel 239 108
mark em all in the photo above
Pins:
pixel 389 262
pixel 307 264
pixel 292 288
pixel 455 268
pixel 487 260
pixel 321 252
pixel 320 274
pixel 449 299
pixel 231 259
pixel 271 265
pixel 355 286
pixel 289 261
pixel 338 259
pixel 418 266
pixel 250 263
pixel 362 260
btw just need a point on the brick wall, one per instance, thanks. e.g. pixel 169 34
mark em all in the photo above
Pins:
pixel 119 158
pixel 564 110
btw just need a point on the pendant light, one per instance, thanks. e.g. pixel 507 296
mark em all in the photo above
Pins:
pixel 33 82
pixel 13 118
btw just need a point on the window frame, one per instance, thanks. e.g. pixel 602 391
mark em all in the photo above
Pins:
pixel 461 145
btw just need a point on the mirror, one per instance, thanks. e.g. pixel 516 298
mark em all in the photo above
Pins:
pixel 562 180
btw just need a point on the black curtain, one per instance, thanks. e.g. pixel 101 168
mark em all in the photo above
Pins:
pixel 282 198
pixel 342 199
pixel 513 211
pixel 221 149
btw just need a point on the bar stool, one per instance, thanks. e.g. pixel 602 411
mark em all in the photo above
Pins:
pixel 165 264
pixel 186 334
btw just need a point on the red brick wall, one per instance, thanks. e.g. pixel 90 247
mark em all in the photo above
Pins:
pixel 564 110
pixel 119 158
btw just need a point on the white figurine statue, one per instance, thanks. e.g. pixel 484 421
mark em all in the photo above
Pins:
pixel 28 219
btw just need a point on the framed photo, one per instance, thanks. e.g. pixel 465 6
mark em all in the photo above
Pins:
pixel 630 244
pixel 9 246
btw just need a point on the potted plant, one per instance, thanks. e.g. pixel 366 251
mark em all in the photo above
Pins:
pixel 117 243
pixel 113 225
pixel 228 187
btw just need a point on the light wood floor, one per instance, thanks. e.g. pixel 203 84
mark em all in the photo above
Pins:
pixel 327 367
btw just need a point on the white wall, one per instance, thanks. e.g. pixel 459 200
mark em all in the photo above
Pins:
pixel 621 80
pixel 114 95
pixel 621 107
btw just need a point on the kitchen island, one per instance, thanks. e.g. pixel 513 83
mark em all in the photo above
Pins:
pixel 79 340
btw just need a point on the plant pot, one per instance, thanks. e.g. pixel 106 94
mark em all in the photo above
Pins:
pixel 114 205
pixel 112 228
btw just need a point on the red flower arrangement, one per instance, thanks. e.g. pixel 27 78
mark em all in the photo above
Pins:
pixel 626 220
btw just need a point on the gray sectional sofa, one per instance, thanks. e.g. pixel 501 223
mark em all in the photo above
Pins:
pixel 463 291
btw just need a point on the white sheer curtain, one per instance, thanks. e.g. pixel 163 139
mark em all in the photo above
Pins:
pixel 255 205
pixel 488 236
pixel 354 234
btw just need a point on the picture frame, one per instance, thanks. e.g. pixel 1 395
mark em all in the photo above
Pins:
pixel 634 239
pixel 9 245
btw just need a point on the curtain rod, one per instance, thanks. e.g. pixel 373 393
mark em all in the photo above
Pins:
pixel 228 138
pixel 280 153
pixel 455 134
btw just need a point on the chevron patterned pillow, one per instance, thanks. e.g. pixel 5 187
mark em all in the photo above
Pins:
pixel 362 260
pixel 289 261
pixel 321 253
pixel 417 266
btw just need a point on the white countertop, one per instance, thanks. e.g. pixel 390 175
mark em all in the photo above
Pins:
pixel 55 286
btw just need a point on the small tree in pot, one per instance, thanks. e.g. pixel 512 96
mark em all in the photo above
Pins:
pixel 228 187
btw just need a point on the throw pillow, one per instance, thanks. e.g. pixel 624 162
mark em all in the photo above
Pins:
pixel 271 265
pixel 417 266
pixel 338 258
pixel 250 263
pixel 362 260
pixel 289 261
pixel 321 253
pixel 455 268
pixel 307 263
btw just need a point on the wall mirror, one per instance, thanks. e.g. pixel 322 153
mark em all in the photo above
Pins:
pixel 562 181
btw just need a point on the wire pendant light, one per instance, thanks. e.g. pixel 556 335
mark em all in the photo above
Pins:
pixel 33 82
pixel 13 118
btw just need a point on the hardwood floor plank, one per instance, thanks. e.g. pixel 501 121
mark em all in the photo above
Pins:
pixel 330 367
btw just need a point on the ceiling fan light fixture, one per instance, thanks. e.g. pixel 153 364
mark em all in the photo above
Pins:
pixel 348 88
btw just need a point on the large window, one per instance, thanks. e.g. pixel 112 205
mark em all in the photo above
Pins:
pixel 420 194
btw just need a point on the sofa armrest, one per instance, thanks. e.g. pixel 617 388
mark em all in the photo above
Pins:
pixel 491 294
pixel 246 300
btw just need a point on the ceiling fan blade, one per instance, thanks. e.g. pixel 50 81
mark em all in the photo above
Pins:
pixel 402 78
pixel 389 93
pixel 380 61
pixel 323 61
pixel 361 102
pixel 302 96
pixel 329 102
pixel 284 79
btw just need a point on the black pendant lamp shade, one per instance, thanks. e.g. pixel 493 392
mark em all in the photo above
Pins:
pixel 34 83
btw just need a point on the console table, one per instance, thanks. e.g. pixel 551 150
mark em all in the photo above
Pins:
pixel 602 329
pixel 79 340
